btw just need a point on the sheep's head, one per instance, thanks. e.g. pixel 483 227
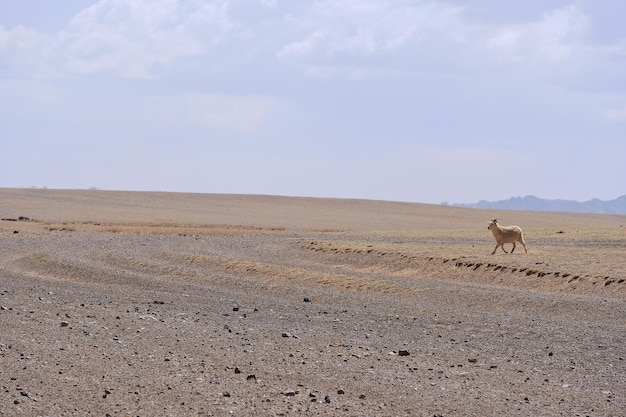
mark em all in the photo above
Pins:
pixel 492 224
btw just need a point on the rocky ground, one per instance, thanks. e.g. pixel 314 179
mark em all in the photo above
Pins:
pixel 295 322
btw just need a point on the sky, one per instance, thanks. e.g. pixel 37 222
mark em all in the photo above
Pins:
pixel 406 100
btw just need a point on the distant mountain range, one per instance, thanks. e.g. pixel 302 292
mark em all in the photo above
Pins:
pixel 532 203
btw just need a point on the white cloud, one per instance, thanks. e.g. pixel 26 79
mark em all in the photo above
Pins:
pixel 348 36
pixel 23 48
pixel 18 38
pixel 143 38
pixel 239 114
pixel 556 37
pixel 616 114
pixel 335 30
pixel 132 38
pixel 35 93
pixel 124 38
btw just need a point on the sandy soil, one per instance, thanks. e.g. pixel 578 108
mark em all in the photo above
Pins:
pixel 163 304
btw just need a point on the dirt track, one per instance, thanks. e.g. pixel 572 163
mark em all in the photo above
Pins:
pixel 132 307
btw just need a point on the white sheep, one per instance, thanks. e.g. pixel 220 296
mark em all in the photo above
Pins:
pixel 506 234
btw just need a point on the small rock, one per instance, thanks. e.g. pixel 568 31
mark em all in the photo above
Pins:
pixel 226 394
pixel 237 370
pixel 235 308
pixel 251 378
pixel 362 396
pixel 340 391
pixel 472 360
pixel 289 393
pixel 327 399
pixel 307 300
pixel 64 324
pixel 403 353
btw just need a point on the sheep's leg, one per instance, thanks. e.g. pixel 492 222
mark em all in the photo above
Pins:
pixel 494 250
pixel 513 247
pixel 504 250
pixel 523 244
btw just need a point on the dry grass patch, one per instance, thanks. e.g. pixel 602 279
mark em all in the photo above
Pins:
pixel 590 259
pixel 275 275
pixel 158 228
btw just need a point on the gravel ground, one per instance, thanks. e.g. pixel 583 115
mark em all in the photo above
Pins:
pixel 291 322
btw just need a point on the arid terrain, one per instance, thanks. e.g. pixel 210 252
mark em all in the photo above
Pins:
pixel 168 304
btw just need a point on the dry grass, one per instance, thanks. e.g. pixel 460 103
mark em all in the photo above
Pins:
pixel 158 228
pixel 581 250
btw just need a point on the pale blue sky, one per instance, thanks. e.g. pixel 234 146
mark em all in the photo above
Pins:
pixel 424 101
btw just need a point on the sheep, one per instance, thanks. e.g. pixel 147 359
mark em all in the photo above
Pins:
pixel 506 234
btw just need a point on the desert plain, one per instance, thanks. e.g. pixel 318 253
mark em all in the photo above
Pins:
pixel 173 304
